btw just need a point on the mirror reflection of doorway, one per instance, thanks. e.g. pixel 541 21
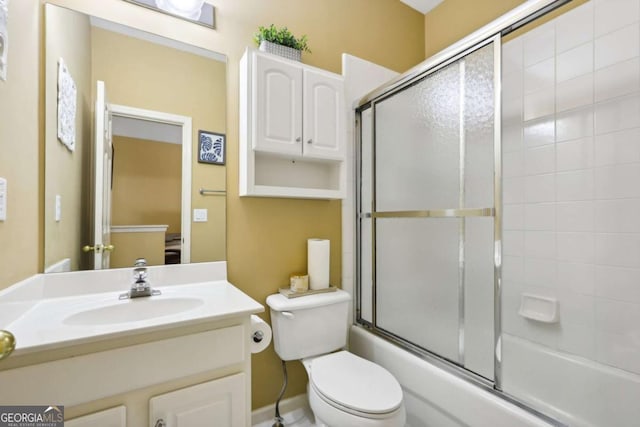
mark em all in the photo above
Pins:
pixel 147 190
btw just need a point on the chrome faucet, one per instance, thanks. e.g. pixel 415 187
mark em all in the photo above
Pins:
pixel 140 287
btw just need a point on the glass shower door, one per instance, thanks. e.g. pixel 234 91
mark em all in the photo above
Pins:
pixel 427 232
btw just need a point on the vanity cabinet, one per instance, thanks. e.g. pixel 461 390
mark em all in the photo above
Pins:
pixel 197 376
pixel 292 129
pixel 114 417
pixel 220 403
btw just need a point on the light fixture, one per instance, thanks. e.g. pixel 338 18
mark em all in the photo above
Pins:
pixel 196 11
pixel 190 9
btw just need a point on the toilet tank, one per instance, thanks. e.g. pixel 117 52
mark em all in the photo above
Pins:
pixel 310 325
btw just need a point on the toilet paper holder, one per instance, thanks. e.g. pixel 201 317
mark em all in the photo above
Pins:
pixel 257 336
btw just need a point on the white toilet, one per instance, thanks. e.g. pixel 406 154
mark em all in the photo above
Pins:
pixel 344 390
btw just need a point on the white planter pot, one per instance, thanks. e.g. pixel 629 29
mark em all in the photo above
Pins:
pixel 284 51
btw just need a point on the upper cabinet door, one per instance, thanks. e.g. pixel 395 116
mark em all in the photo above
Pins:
pixel 277 106
pixel 323 115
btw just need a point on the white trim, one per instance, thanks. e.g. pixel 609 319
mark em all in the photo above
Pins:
pixel 139 228
pixel 186 123
pixel 422 6
pixel 266 413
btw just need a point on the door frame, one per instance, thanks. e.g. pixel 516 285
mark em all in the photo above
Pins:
pixel 185 123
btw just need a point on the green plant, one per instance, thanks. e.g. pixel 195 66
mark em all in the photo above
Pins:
pixel 281 36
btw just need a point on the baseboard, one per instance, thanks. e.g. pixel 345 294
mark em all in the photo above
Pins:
pixel 266 413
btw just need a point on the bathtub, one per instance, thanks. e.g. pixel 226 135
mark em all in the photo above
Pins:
pixel 434 397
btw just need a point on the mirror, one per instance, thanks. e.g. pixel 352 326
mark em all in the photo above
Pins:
pixel 161 93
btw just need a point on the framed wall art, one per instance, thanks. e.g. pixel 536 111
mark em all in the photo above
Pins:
pixel 212 147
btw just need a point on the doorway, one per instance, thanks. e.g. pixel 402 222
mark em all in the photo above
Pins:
pixel 151 187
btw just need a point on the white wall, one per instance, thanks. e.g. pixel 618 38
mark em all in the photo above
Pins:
pixel 571 162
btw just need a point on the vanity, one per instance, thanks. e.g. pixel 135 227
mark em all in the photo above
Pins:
pixel 181 358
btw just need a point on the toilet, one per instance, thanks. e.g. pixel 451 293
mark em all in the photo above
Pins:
pixel 344 390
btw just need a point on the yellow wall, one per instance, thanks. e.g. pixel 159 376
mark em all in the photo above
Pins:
pixel 131 246
pixel 152 169
pixel 69 38
pixel 452 20
pixel 20 158
pixel 146 75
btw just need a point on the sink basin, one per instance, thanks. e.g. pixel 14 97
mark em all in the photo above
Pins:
pixel 133 310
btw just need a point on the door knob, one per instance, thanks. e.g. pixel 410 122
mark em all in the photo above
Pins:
pixel 96 248
pixel 298 139
pixel 108 248
pixel 310 141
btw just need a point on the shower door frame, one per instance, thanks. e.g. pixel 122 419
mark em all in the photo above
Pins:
pixel 492 33
pixel 460 213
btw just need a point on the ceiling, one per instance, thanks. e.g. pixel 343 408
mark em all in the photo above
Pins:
pixel 422 6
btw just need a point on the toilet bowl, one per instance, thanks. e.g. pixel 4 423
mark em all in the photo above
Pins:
pixel 344 390
pixel 348 391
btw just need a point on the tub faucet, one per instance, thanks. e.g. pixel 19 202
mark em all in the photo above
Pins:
pixel 140 287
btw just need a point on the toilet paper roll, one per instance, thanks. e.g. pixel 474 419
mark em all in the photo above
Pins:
pixel 318 263
pixel 260 334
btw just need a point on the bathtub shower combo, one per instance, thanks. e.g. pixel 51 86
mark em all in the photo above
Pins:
pixel 498 217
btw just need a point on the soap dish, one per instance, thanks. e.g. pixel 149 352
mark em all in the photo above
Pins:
pixel 540 309
pixel 287 292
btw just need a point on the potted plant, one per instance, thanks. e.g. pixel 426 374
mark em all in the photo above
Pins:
pixel 281 42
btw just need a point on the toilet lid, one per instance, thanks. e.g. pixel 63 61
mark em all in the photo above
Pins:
pixel 356 383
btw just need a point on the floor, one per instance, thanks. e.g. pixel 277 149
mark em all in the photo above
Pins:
pixel 296 418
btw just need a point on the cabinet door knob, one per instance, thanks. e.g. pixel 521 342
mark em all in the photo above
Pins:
pixel 298 139
pixel 309 141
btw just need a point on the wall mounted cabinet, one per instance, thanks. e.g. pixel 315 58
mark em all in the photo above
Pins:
pixel 292 129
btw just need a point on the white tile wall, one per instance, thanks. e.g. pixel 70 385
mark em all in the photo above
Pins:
pixel 615 14
pixel 572 181
pixel 539 76
pixel 574 124
pixel 573 29
pixel 617 148
pixel 573 155
pixel 540 216
pixel 621 78
pixel 539 132
pixel 575 62
pixel 574 93
pixel 538 45
pixel 617 46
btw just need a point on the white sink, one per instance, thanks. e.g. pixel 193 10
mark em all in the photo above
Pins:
pixel 133 310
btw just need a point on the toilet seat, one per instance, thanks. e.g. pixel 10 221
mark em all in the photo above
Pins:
pixel 355 385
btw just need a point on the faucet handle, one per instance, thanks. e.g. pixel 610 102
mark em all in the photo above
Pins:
pixel 140 274
pixel 140 262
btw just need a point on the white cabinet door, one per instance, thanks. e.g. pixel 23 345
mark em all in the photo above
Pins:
pixel 323 116
pixel 114 417
pixel 219 403
pixel 277 106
